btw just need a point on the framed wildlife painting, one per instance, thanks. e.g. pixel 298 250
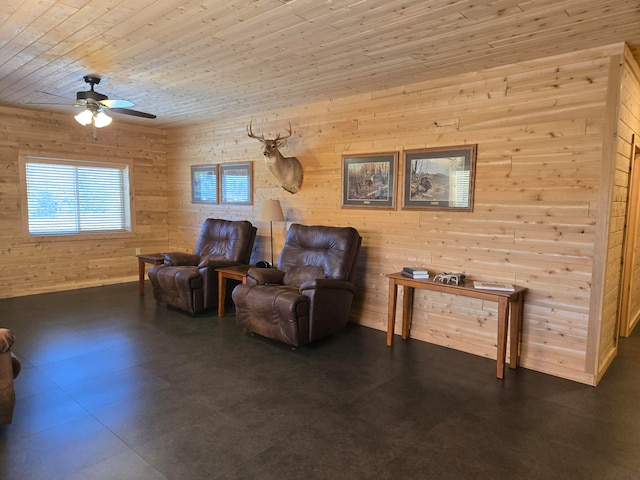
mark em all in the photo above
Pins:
pixel 204 183
pixel 369 180
pixel 439 178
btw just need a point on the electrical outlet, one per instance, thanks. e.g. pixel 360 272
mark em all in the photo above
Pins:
pixel 137 251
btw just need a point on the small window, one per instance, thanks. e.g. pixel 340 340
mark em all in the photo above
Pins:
pixel 68 197
pixel 235 179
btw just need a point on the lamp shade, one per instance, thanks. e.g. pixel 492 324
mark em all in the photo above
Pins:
pixel 271 211
pixel 84 117
pixel 101 119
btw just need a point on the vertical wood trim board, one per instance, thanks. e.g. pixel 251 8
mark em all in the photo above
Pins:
pixel 607 252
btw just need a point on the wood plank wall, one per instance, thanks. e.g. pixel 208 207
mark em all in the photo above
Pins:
pixel 539 127
pixel 540 130
pixel 627 127
pixel 29 267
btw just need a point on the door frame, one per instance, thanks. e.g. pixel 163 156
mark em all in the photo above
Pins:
pixel 627 319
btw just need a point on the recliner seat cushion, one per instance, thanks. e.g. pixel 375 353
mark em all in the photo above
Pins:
pixel 179 279
pixel 296 276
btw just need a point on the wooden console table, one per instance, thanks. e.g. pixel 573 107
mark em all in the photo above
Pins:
pixel 237 272
pixel 153 259
pixel 510 307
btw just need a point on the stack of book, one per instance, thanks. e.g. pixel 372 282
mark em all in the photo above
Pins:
pixel 415 272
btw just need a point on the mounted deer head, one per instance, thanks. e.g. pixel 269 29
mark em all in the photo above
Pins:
pixel 288 170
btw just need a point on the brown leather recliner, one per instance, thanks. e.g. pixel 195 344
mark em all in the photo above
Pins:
pixel 309 295
pixel 189 281
pixel 9 369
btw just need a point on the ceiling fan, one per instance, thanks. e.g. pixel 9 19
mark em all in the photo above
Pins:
pixel 96 104
pixel 117 106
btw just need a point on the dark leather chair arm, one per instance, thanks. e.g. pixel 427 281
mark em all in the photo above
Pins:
pixel 330 302
pixel 181 258
pixel 327 284
pixel 6 339
pixel 216 263
pixel 264 276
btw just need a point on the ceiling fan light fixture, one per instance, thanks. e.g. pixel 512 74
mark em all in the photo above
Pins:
pixel 84 117
pixel 101 119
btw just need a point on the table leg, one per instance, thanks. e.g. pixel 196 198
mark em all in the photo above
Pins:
pixel 140 277
pixel 517 308
pixel 222 293
pixel 391 315
pixel 407 311
pixel 503 327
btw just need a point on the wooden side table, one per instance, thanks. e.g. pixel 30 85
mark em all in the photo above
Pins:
pixel 510 307
pixel 237 272
pixel 153 259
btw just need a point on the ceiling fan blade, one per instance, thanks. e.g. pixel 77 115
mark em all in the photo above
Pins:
pixel 50 103
pixel 116 103
pixel 54 95
pixel 135 113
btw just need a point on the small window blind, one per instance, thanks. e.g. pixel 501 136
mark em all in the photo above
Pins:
pixel 459 188
pixel 236 186
pixel 67 197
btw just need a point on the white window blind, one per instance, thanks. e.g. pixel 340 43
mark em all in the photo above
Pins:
pixel 71 197
pixel 236 186
pixel 459 188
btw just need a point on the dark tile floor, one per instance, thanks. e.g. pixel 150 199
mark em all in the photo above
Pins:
pixel 115 387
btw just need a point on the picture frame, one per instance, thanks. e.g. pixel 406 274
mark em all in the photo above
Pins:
pixel 441 178
pixel 236 183
pixel 204 184
pixel 370 180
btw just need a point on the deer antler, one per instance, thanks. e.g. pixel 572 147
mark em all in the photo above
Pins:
pixel 250 132
pixel 278 138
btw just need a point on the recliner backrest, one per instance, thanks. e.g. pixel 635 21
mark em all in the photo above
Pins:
pixel 334 249
pixel 226 240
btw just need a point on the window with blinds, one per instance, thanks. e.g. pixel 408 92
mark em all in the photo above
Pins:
pixel 235 183
pixel 459 188
pixel 67 197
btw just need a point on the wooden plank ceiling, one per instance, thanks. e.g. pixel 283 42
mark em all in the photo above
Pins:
pixel 196 60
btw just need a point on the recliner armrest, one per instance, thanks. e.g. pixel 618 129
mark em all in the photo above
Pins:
pixel 180 259
pixel 327 284
pixel 6 339
pixel 264 276
pixel 217 263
